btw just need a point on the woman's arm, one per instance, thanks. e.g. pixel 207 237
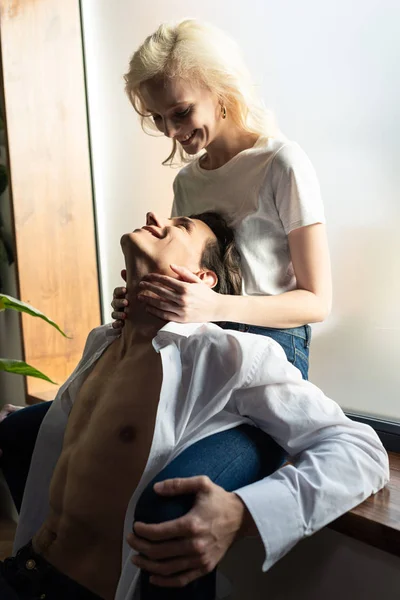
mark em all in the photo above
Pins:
pixel 189 300
pixel 309 303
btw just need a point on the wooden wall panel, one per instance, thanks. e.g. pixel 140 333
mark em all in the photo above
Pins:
pixel 46 117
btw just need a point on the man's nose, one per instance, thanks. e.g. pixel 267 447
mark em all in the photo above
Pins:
pixel 153 219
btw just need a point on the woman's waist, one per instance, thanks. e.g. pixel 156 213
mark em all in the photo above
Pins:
pixel 303 331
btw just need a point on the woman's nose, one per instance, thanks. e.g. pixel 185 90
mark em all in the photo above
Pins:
pixel 170 129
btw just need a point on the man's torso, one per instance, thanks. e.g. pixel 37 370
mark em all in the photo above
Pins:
pixel 106 447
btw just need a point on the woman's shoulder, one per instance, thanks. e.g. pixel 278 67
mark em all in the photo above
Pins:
pixel 188 169
pixel 288 154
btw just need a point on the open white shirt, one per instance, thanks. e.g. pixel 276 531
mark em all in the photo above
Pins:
pixel 215 379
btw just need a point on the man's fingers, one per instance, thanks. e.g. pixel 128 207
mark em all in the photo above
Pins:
pixel 183 485
pixel 169 567
pixel 179 580
pixel 178 528
pixel 169 549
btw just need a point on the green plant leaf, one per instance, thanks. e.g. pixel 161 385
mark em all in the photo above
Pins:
pixel 18 305
pixel 20 367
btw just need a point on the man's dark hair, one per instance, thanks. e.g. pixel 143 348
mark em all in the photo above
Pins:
pixel 221 256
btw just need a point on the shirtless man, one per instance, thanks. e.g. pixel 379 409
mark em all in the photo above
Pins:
pixel 82 536
pixel 81 492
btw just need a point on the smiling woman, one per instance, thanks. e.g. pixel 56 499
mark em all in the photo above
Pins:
pixel 188 80
pixel 187 114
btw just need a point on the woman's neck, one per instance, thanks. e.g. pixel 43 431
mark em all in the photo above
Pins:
pixel 225 147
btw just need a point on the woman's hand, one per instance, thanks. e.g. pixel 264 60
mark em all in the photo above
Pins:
pixel 119 304
pixel 183 300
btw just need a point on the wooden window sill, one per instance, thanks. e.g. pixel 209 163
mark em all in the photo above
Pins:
pixel 377 520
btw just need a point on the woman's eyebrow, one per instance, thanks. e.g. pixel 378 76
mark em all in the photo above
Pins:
pixel 174 105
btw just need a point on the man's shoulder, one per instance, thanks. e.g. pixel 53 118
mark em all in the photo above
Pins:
pixel 99 336
pixel 230 343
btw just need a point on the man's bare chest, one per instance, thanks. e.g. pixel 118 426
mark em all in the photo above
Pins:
pixel 120 395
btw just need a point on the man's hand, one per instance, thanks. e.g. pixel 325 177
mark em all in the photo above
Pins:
pixel 179 551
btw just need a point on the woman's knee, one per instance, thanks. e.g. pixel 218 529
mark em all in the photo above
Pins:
pixel 153 508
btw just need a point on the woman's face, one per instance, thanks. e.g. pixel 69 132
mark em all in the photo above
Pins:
pixel 190 115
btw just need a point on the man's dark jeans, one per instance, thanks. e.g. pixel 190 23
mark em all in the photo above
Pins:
pixel 29 577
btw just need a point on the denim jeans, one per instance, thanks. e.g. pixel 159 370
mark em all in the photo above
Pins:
pixel 231 459
pixel 28 576
pixel 295 341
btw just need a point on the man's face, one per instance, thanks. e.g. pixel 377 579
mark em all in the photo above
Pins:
pixel 162 242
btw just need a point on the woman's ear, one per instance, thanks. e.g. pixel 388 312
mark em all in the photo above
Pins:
pixel 208 277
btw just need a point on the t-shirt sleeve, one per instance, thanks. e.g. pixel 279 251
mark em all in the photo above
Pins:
pixel 296 189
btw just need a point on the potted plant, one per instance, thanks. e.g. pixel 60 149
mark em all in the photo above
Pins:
pixel 20 367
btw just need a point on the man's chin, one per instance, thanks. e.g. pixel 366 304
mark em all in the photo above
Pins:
pixel 129 239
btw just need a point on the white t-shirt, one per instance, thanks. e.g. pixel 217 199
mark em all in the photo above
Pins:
pixel 264 193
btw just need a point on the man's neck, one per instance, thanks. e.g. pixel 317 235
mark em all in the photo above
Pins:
pixel 140 327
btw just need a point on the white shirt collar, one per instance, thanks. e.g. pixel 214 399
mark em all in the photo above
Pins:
pixel 163 337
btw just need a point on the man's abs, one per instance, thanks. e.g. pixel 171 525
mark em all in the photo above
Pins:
pixel 106 447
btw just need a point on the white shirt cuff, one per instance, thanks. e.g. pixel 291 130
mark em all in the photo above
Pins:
pixel 275 513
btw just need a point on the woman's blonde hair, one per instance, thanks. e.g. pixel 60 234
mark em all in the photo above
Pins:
pixel 202 55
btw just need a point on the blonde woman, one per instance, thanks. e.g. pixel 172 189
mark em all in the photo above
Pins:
pixel 189 82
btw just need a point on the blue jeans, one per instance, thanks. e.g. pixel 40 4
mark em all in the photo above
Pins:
pixel 231 459
pixel 29 576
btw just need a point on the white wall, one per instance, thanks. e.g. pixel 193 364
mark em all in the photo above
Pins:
pixel 330 72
